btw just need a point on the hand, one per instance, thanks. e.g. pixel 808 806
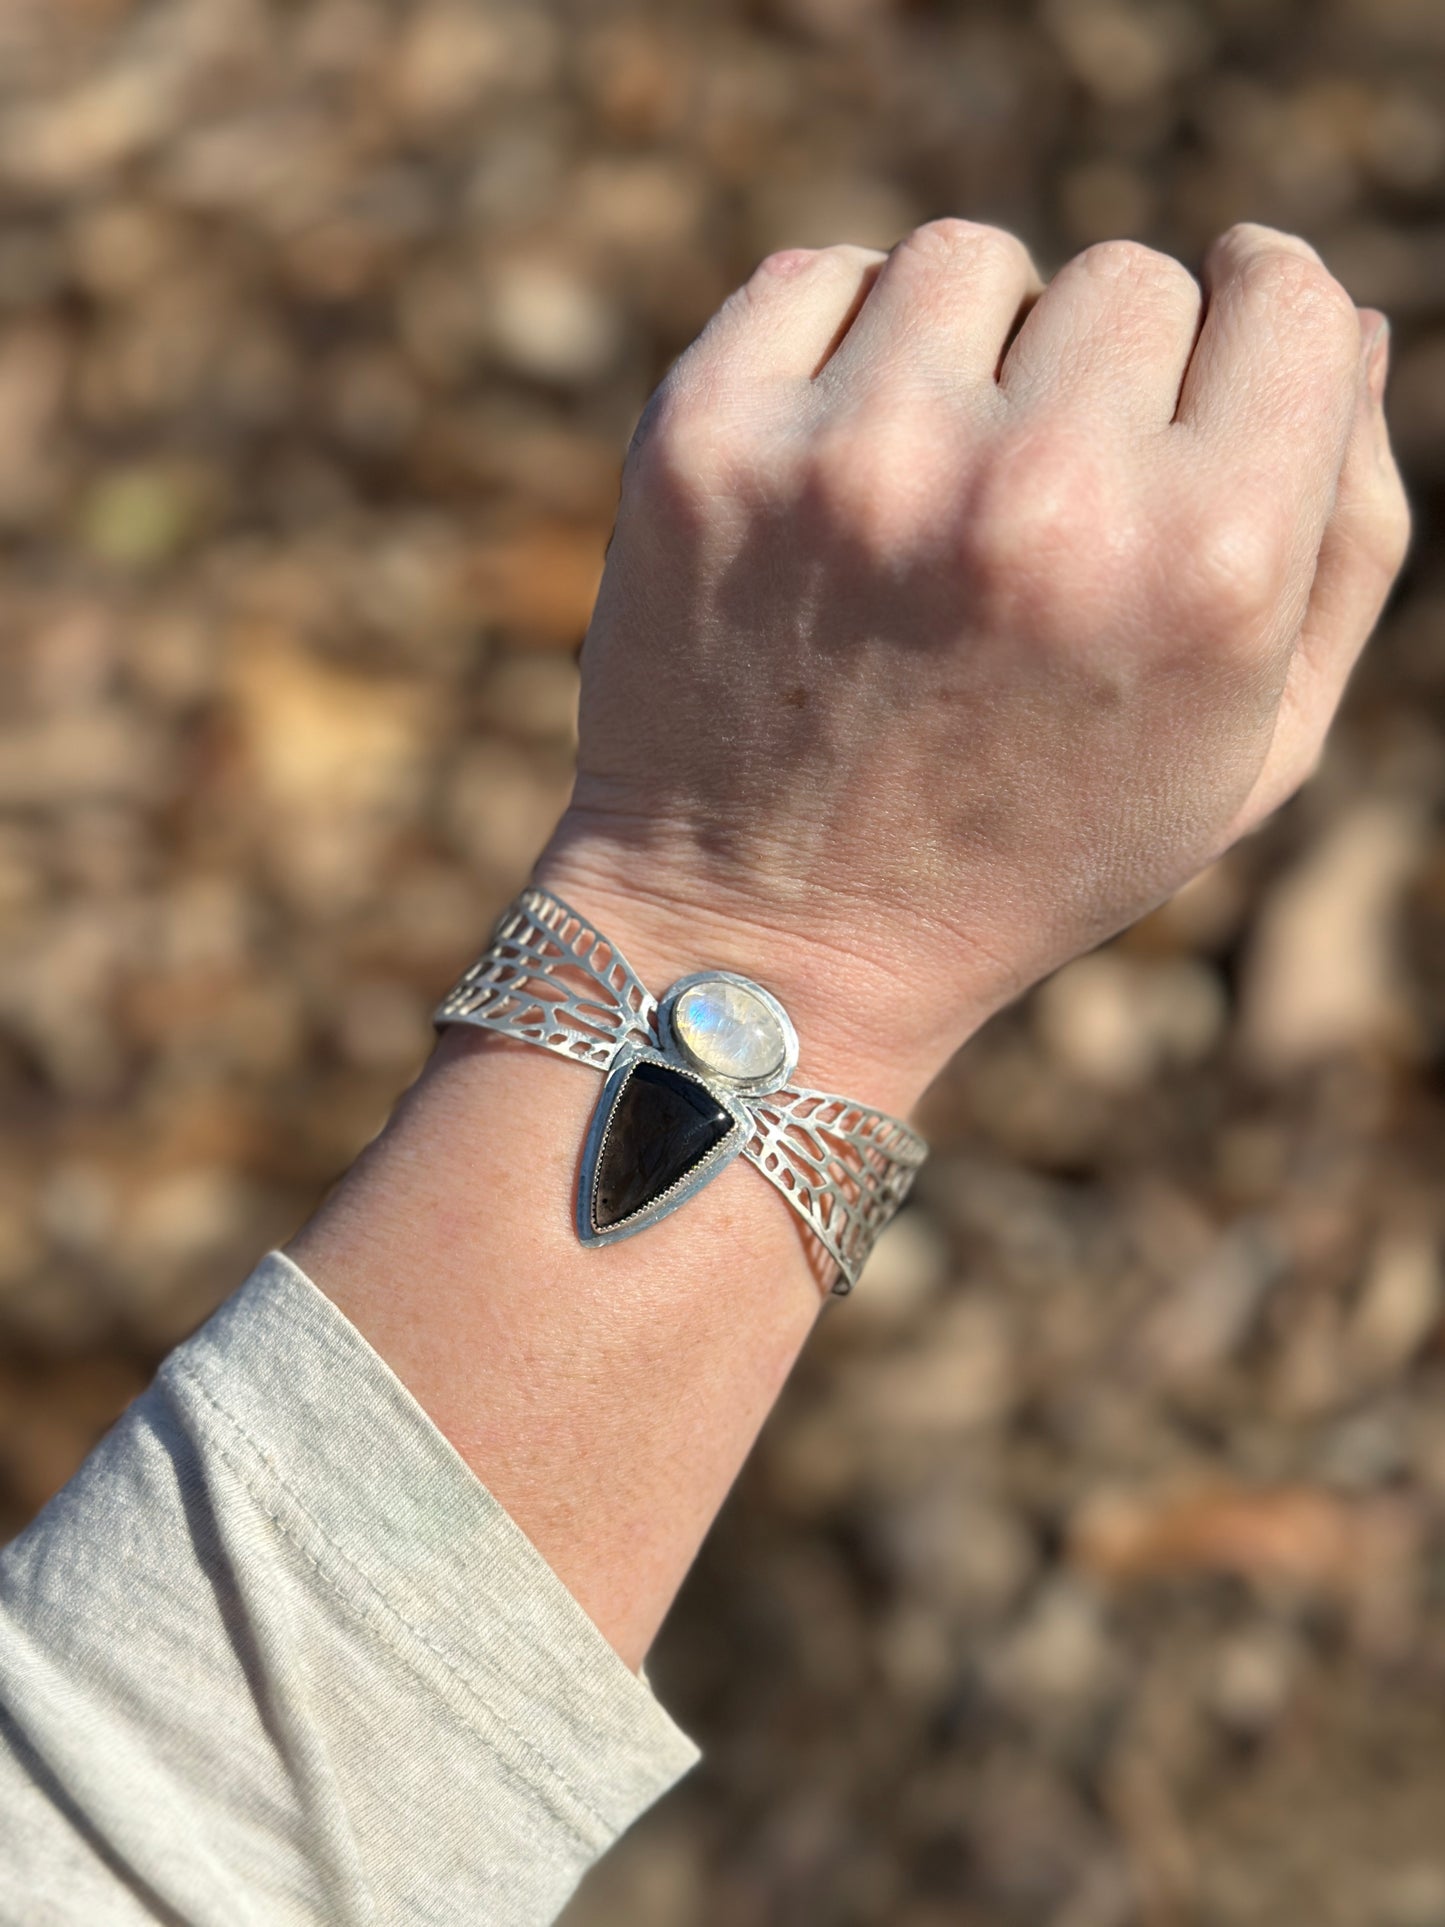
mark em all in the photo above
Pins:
pixel 930 653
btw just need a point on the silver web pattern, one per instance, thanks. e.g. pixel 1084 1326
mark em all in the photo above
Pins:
pixel 843 1168
pixel 548 977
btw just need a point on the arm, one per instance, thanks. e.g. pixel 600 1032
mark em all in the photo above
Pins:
pixel 918 668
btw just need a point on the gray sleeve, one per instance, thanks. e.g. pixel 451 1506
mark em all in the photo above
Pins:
pixel 274 1655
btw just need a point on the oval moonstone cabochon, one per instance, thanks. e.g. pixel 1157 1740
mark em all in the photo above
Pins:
pixel 729 1030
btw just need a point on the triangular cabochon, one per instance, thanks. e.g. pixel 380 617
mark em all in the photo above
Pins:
pixel 662 1123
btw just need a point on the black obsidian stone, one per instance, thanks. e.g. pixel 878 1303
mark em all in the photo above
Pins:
pixel 662 1124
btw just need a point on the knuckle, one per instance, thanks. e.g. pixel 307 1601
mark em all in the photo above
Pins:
pixel 787 264
pixel 784 264
pixel 1042 529
pixel 770 280
pixel 943 241
pixel 1247 238
pixel 689 453
pixel 1281 273
pixel 1306 287
pixel 859 478
pixel 1118 260
pixel 1237 560
pixel 1137 266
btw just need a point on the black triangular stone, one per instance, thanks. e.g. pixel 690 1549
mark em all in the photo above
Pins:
pixel 662 1124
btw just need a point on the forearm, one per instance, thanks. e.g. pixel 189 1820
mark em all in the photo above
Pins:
pixel 606 1396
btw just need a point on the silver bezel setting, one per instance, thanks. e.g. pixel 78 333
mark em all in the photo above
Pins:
pixel 717 1081
pixel 706 1168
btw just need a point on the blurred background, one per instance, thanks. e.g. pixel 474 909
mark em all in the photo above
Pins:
pixel 1091 1573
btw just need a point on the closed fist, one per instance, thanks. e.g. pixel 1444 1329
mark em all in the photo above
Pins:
pixel 952 621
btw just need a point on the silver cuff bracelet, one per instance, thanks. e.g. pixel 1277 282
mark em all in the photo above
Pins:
pixel 688 1083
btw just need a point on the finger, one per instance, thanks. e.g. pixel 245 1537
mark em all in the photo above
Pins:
pixel 786 319
pixel 1272 381
pixel 1265 414
pixel 1364 544
pixel 1114 328
pixel 942 306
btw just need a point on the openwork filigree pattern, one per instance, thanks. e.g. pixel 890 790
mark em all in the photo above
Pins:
pixel 844 1169
pixel 547 977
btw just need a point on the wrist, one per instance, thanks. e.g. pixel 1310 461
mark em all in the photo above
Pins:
pixel 866 1025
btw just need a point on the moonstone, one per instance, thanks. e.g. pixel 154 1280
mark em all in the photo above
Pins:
pixel 727 1029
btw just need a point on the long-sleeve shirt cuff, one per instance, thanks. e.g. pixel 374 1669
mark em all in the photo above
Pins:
pixel 276 1654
